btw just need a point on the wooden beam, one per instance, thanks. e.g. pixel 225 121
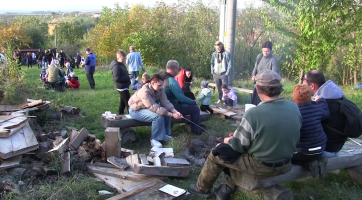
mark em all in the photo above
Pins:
pixel 143 159
pixel 132 160
pixel 65 163
pixel 120 163
pixel 11 162
pixel 175 162
pixel 162 170
pixel 78 139
pixel 113 142
pixel 128 194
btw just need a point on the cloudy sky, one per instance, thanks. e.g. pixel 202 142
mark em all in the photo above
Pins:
pixel 90 5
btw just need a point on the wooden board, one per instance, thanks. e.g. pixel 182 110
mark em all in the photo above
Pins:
pixel 78 139
pixel 7 132
pixel 143 159
pixel 113 142
pixel 14 122
pixel 7 117
pixel 175 162
pixel 132 160
pixel 4 108
pixel 138 185
pixel 19 143
pixel 115 182
pixel 140 189
pixel 162 170
pixel 120 163
pixel 129 122
pixel 11 162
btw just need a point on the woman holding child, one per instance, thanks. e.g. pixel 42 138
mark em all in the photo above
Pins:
pixel 150 104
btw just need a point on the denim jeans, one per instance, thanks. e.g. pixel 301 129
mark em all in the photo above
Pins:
pixel 161 125
pixel 330 154
pixel 194 113
pixel 134 74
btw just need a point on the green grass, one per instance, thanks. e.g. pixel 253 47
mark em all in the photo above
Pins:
pixel 105 98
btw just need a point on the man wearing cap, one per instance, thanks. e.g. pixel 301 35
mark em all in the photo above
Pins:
pixel 264 140
pixel 90 67
pixel 134 61
pixel 220 67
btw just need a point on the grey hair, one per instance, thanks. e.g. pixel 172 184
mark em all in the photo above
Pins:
pixel 132 47
pixel 172 64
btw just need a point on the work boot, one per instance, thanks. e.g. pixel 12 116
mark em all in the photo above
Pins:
pixel 222 192
pixel 322 165
pixel 313 167
pixel 194 190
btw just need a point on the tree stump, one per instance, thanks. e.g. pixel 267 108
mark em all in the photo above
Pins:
pixel 278 192
pixel 128 135
pixel 355 173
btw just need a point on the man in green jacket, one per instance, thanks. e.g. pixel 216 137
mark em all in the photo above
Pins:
pixel 263 143
pixel 183 104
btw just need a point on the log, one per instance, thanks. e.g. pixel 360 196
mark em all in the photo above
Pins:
pixel 78 139
pixel 143 159
pixel 128 135
pixel 132 160
pixel 113 142
pixel 65 163
pixel 162 170
pixel 118 162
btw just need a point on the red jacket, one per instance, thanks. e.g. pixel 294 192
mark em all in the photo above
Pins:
pixel 73 83
pixel 180 77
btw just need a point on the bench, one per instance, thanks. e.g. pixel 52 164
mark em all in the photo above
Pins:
pixel 350 158
pixel 129 135
pixel 213 86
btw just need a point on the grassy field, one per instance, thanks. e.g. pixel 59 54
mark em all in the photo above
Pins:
pixel 105 98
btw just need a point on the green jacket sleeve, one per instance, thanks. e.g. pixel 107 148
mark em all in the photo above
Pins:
pixel 176 90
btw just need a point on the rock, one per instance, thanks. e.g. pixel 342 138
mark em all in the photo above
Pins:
pixel 200 162
pixel 43 137
pixel 51 135
pixel 185 153
pixel 197 144
pixel 19 171
pixel 63 133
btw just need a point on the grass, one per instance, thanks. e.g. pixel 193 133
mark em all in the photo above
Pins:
pixel 105 98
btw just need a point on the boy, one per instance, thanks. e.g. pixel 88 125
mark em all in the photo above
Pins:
pixel 228 96
pixel 137 85
pixel 205 97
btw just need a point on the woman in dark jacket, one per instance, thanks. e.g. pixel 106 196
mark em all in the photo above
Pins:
pixel 312 140
pixel 121 79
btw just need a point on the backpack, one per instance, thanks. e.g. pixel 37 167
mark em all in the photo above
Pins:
pixel 353 124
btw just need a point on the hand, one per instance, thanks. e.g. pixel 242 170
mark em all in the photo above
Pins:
pixel 196 93
pixel 197 101
pixel 226 140
pixel 253 78
pixel 130 76
pixel 137 78
pixel 177 115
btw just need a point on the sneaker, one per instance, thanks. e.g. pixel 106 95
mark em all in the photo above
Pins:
pixel 155 143
pixel 194 190
pixel 168 138
pixel 322 165
pixel 222 192
pixel 218 101
pixel 313 167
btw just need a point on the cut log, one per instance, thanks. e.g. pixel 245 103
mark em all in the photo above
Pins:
pixel 143 159
pixel 113 142
pixel 175 162
pixel 11 162
pixel 79 138
pixel 62 147
pixel 118 162
pixel 132 160
pixel 69 109
pixel 82 153
pixel 65 163
pixel 126 152
pixel 162 170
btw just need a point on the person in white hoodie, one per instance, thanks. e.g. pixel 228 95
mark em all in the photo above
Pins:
pixel 205 97
pixel 229 96
pixel 331 92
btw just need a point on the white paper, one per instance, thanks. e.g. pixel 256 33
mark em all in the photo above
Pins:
pixel 128 116
pixel 172 190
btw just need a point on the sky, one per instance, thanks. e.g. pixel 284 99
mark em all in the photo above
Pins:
pixel 90 5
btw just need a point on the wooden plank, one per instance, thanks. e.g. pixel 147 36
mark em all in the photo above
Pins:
pixel 7 117
pixel 129 122
pixel 127 175
pixel 19 143
pixel 213 85
pixel 62 147
pixel 113 142
pixel 65 163
pixel 143 159
pixel 4 108
pixel 35 103
pixel 11 131
pixel 118 162
pixel 162 170
pixel 132 160
pixel 14 122
pixel 175 162
pixel 11 162
pixel 128 194
pixel 115 182
pixel 102 164
pixel 139 185
pixel 78 139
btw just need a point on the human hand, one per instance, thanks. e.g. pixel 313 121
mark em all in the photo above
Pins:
pixel 130 76
pixel 253 78
pixel 196 93
pixel 197 101
pixel 137 78
pixel 177 115
pixel 226 140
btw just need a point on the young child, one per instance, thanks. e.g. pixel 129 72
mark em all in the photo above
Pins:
pixel 205 97
pixel 137 85
pixel 42 75
pixel 229 96
pixel 312 140
pixel 73 82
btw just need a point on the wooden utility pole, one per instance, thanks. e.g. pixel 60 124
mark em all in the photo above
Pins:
pixel 55 33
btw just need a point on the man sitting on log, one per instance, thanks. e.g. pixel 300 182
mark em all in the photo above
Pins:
pixel 262 145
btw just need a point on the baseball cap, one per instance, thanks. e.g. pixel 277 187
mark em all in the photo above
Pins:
pixel 87 49
pixel 267 78
pixel 218 43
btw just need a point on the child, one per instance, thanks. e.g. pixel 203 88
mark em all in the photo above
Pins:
pixel 73 82
pixel 312 137
pixel 137 85
pixel 205 97
pixel 228 97
pixel 43 74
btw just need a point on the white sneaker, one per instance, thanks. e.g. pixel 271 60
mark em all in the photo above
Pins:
pixel 218 101
pixel 155 143
pixel 168 138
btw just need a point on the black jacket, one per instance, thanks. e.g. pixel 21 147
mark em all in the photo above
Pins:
pixel 62 56
pixel 120 75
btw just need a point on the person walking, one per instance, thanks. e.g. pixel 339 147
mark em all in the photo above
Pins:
pixel 121 79
pixel 62 58
pixel 90 67
pixel 134 61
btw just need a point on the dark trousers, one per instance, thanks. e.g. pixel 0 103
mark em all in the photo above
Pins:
pixel 189 94
pixel 61 62
pixel 229 102
pixel 220 80
pixel 194 113
pixel 123 101
pixel 302 159
pixel 30 62
pixel 206 108
pixel 255 97
pixel 91 80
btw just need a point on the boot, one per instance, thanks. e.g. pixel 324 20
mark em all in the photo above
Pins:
pixel 222 192
pixel 322 165
pixel 194 190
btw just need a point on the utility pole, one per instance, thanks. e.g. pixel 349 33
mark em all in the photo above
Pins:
pixel 55 33
pixel 222 21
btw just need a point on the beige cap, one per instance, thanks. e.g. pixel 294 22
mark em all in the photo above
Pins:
pixel 267 78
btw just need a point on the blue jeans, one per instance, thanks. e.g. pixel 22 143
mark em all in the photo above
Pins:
pixel 330 154
pixel 194 113
pixel 134 74
pixel 161 125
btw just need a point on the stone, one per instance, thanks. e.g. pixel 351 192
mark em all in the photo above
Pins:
pixel 200 162
pixel 212 141
pixel 197 144
pixel 19 171
pixel 185 153
pixel 63 133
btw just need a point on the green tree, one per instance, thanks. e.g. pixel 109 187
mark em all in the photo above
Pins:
pixel 69 33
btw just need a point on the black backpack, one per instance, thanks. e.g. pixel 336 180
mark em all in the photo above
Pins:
pixel 353 124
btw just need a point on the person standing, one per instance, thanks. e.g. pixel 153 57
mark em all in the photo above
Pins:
pixel 134 61
pixel 121 79
pixel 265 60
pixel 29 59
pixel 90 67
pixel 220 67
pixel 62 58
pixel 77 61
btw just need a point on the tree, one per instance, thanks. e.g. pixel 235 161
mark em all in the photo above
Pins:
pixel 69 33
